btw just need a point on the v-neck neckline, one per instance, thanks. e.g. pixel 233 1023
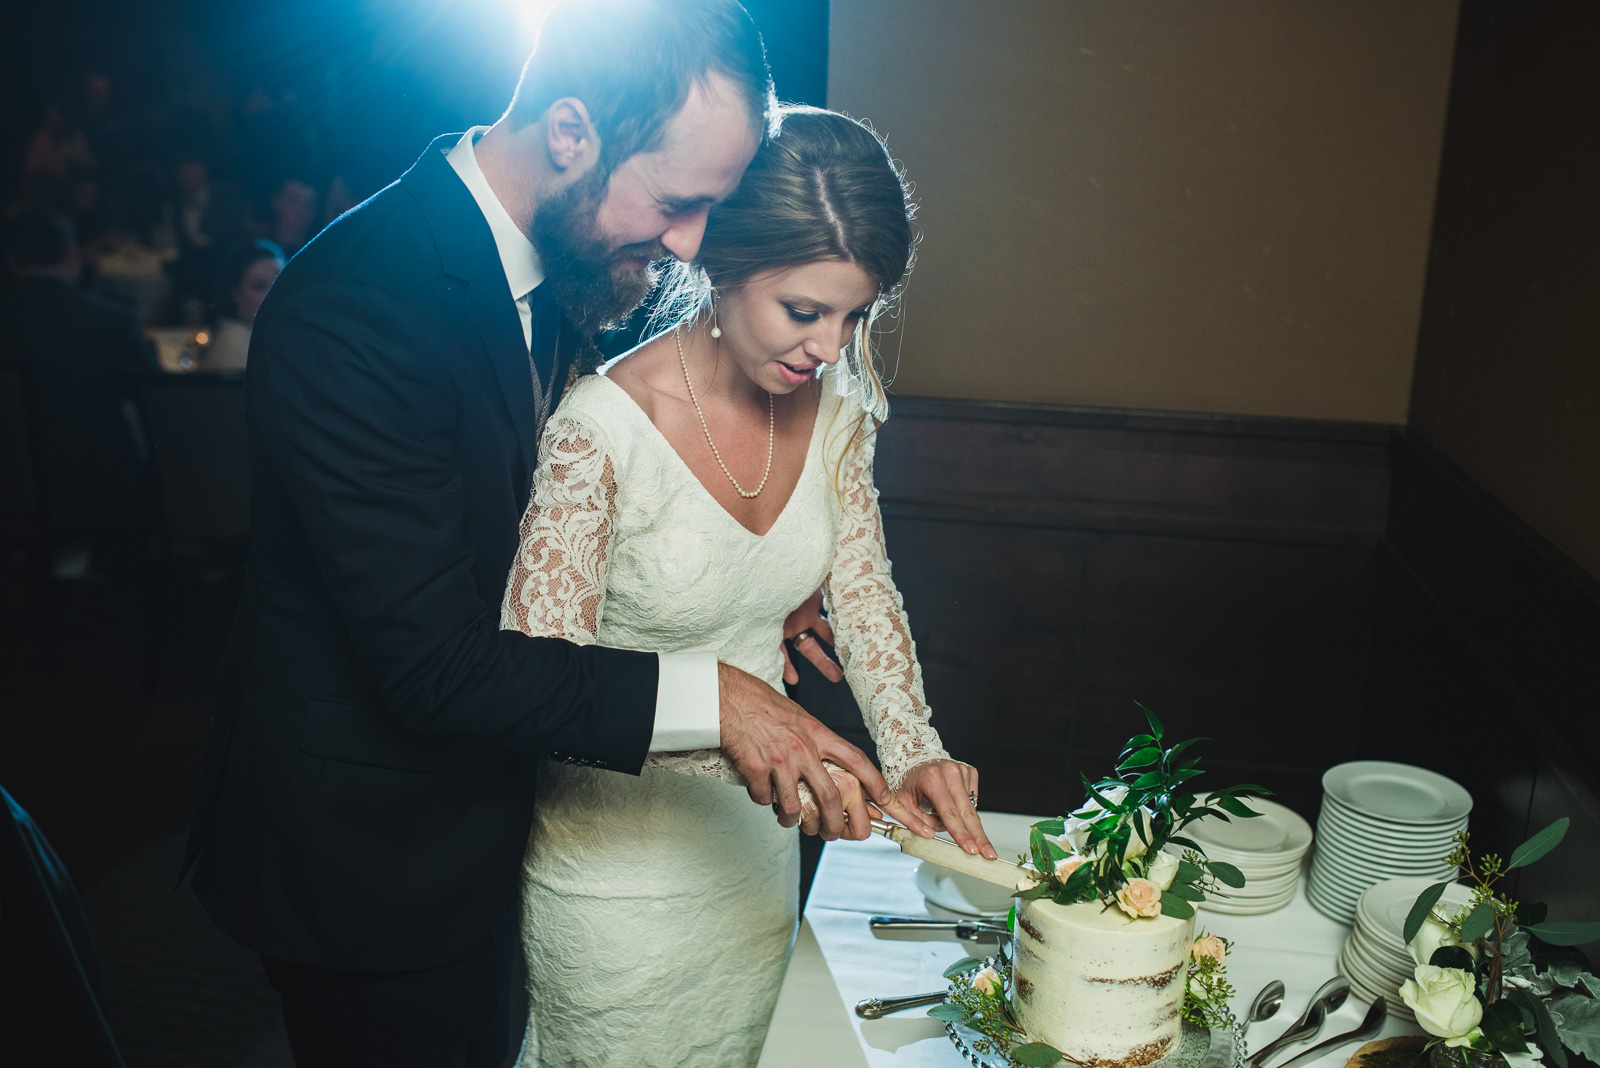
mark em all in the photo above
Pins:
pixel 805 469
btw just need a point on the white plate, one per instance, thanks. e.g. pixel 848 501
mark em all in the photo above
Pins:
pixel 1252 909
pixel 1342 821
pixel 1399 793
pixel 1008 833
pixel 1336 830
pixel 1386 905
pixel 1277 830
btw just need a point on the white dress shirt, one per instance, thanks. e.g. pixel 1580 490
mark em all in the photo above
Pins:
pixel 687 706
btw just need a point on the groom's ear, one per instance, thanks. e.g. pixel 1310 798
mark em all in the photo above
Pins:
pixel 570 137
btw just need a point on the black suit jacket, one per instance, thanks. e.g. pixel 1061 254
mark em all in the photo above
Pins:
pixel 370 779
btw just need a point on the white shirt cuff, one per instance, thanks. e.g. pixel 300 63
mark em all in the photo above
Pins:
pixel 688 712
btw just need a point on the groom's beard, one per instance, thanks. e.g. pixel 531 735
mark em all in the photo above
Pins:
pixel 592 285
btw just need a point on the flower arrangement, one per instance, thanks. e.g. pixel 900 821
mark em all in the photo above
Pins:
pixel 980 997
pixel 1111 848
pixel 1496 975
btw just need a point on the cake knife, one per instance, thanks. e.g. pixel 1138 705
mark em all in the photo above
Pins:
pixel 947 854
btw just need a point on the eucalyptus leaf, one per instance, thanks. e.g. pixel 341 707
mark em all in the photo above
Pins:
pixel 960 966
pixel 1186 843
pixel 1532 912
pixel 1580 1024
pixel 948 1011
pixel 1141 759
pixel 1420 909
pixel 1187 892
pixel 1037 890
pixel 1566 932
pixel 1544 1027
pixel 1187 873
pixel 1175 906
pixel 1539 844
pixel 1227 873
pixel 1478 923
pixel 1036 1054
pixel 1055 851
pixel 1054 827
pixel 1502 1026
pixel 1036 849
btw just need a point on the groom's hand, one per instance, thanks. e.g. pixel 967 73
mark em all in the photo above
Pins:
pixel 806 629
pixel 775 745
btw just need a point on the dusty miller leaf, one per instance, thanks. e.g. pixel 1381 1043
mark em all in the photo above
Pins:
pixel 1578 1023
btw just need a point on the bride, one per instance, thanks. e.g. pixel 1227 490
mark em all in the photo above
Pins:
pixel 689 497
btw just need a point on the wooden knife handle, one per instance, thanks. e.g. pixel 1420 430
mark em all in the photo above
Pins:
pixel 949 855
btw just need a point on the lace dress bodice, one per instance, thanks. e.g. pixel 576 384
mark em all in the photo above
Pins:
pixel 658 909
pixel 622 546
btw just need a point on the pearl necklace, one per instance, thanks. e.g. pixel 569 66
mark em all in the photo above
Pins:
pixel 677 336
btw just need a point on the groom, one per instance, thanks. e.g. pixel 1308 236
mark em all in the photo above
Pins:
pixel 370 777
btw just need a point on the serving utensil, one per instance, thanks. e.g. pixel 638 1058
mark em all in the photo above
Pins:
pixel 1370 1025
pixel 1266 1004
pixel 947 854
pixel 968 929
pixel 1329 996
pixel 872 1008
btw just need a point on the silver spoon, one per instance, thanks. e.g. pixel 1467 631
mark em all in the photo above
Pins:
pixel 1370 1025
pixel 873 1008
pixel 1266 1004
pixel 1329 996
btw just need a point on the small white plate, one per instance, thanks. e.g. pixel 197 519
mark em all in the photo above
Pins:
pixel 1008 832
pixel 1399 793
pixel 1277 830
pixel 1386 905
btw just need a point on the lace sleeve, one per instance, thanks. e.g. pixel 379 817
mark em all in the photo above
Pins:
pixel 871 633
pixel 557 586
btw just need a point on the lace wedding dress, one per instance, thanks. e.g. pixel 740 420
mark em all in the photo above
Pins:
pixel 658 910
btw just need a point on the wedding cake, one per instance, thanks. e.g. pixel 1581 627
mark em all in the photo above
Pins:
pixel 1105 966
pixel 1102 987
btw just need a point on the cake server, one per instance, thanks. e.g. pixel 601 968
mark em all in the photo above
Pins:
pixel 968 929
pixel 947 854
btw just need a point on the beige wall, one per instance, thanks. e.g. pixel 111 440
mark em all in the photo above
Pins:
pixel 1207 206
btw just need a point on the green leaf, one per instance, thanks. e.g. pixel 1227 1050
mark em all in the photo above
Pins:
pixel 1419 911
pixel 1566 932
pixel 1036 1054
pixel 1580 1024
pixel 1141 759
pixel 1037 890
pixel 1545 1027
pixel 1173 753
pixel 1515 957
pixel 1041 856
pixel 1098 798
pixel 1453 957
pixel 948 1011
pixel 1186 843
pixel 1056 852
pixel 1155 724
pixel 1054 827
pixel 1187 873
pixel 1079 880
pixel 1227 873
pixel 1185 774
pixel 1539 844
pixel 1145 781
pixel 1250 788
pixel 1532 913
pixel 1502 1026
pixel 1187 892
pixel 1139 741
pixel 1235 807
pixel 1175 906
pixel 1478 923
pixel 960 966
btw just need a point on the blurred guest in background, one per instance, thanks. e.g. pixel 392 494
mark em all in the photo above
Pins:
pixel 248 274
pixel 294 215
pixel 81 353
pixel 206 220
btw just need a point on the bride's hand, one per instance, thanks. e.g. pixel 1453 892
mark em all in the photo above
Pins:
pixel 949 788
pixel 858 814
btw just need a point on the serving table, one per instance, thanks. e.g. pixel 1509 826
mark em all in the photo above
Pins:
pixel 838 961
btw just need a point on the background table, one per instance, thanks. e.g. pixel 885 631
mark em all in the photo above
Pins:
pixel 839 961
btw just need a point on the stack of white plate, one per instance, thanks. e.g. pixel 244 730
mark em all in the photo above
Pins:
pixel 1375 958
pixel 1381 821
pixel 1266 849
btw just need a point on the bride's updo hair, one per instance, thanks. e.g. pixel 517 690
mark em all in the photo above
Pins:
pixel 822 188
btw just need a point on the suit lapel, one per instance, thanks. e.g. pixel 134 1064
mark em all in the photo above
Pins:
pixel 467 252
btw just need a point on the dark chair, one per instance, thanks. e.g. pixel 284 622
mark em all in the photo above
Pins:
pixel 194 428
pixel 52 1004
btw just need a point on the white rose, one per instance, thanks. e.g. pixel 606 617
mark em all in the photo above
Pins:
pixel 1477 1032
pixel 1077 824
pixel 987 981
pixel 1436 931
pixel 1163 870
pixel 1445 1001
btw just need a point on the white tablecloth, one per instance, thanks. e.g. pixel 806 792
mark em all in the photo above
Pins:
pixel 838 961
